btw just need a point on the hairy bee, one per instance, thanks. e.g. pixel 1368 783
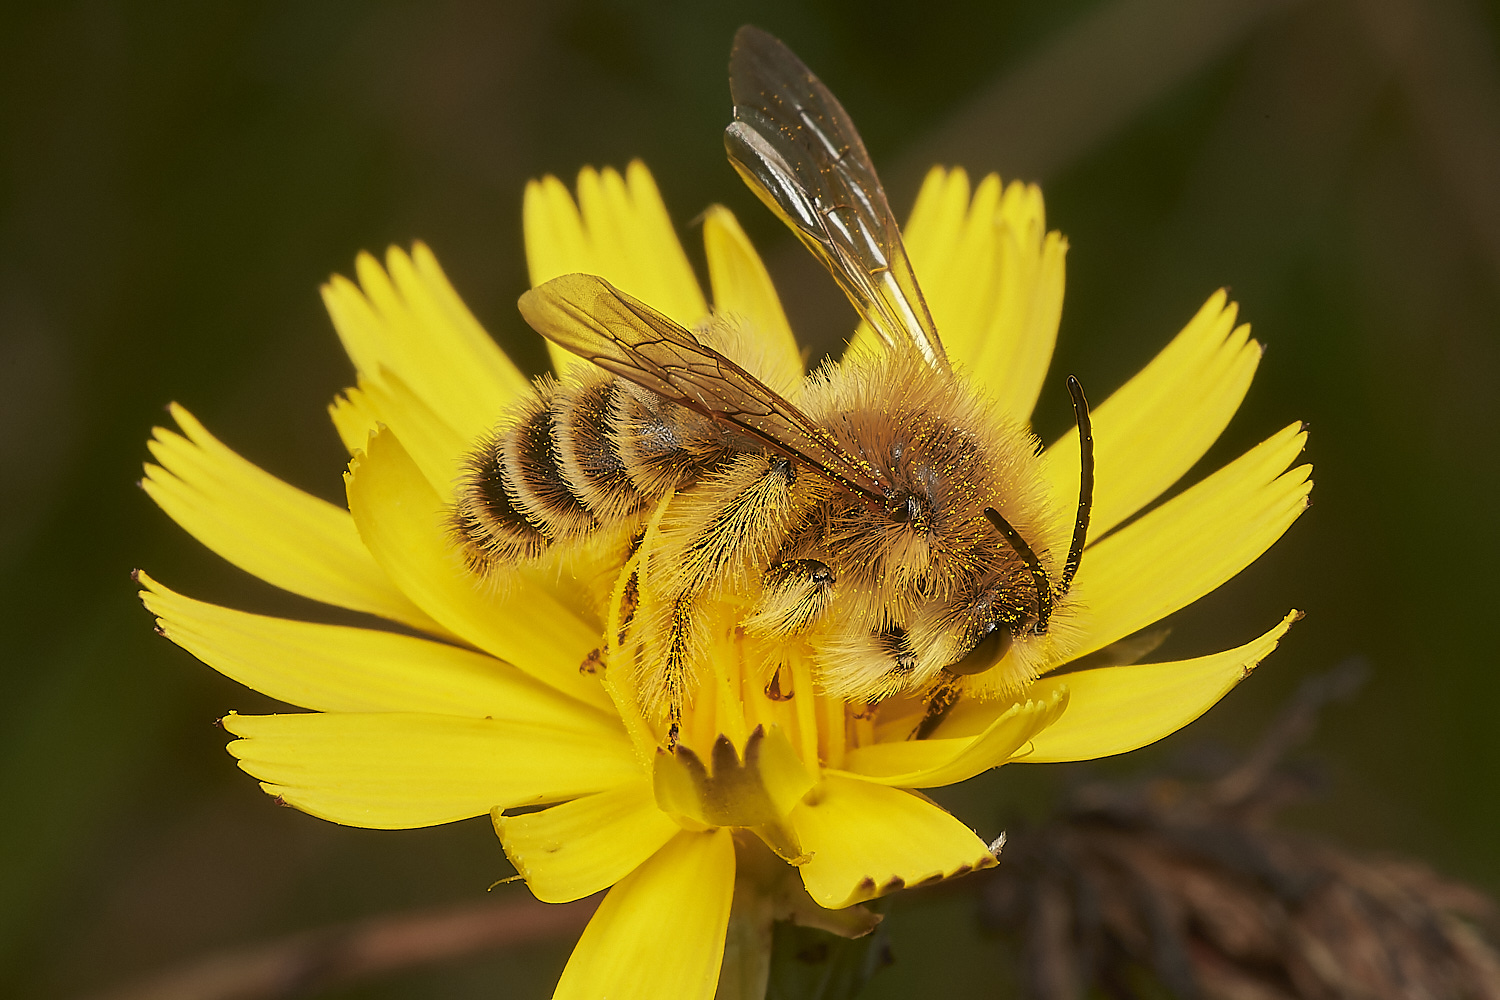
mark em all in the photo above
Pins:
pixel 886 518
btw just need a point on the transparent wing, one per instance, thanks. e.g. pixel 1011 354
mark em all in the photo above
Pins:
pixel 795 146
pixel 593 319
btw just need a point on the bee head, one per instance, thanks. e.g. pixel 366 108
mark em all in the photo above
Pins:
pixel 987 625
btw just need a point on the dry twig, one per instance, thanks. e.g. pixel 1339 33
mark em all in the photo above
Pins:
pixel 1133 889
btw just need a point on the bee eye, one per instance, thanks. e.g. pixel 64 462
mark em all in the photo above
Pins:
pixel 985 654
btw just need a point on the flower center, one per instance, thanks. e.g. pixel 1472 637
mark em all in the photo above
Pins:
pixel 741 733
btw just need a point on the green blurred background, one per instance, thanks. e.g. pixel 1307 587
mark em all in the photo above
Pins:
pixel 178 178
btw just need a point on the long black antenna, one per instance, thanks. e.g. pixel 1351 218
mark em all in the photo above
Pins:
pixel 1046 593
pixel 1038 573
pixel 1085 486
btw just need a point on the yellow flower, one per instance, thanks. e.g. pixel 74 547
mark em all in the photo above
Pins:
pixel 502 700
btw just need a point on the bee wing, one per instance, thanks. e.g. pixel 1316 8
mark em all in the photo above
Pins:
pixel 621 334
pixel 793 143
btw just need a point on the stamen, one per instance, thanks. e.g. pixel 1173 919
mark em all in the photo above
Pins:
pixel 834 723
pixel 805 706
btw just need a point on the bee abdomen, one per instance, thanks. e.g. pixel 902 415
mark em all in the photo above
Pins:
pixel 491 529
pixel 533 472
pixel 663 445
pixel 587 455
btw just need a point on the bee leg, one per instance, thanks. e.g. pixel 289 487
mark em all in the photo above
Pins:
pixel 592 662
pixel 944 696
pixel 860 665
pixel 794 594
pixel 678 657
pixel 630 600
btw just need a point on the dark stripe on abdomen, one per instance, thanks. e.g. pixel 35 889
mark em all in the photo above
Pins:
pixel 587 456
pixel 490 528
pixel 533 473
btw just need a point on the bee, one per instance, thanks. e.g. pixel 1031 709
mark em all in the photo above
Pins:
pixel 885 519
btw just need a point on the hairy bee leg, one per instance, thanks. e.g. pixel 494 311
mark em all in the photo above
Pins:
pixel 630 600
pixel 734 520
pixel 679 648
pixel 895 643
pixel 859 664
pixel 592 662
pixel 794 594
pixel 944 696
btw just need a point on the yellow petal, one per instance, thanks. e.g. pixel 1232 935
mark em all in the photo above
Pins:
pixel 867 840
pixel 556 242
pixel 438 449
pixel 743 291
pixel 402 520
pixel 575 849
pixel 412 324
pixel 941 210
pixel 931 763
pixel 1192 543
pixel 403 770
pixel 286 537
pixel 660 932
pixel 958 262
pixel 619 229
pixel 354 418
pixel 1157 425
pixel 1117 709
pixel 335 668
pixel 1019 339
pixel 993 279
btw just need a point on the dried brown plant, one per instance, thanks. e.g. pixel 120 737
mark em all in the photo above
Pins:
pixel 1187 889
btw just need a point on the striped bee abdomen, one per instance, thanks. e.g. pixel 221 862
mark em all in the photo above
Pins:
pixel 534 477
pixel 570 457
pixel 491 530
pixel 587 454
pixel 664 446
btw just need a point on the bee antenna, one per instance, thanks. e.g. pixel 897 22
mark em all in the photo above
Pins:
pixel 1046 594
pixel 1038 573
pixel 1085 486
